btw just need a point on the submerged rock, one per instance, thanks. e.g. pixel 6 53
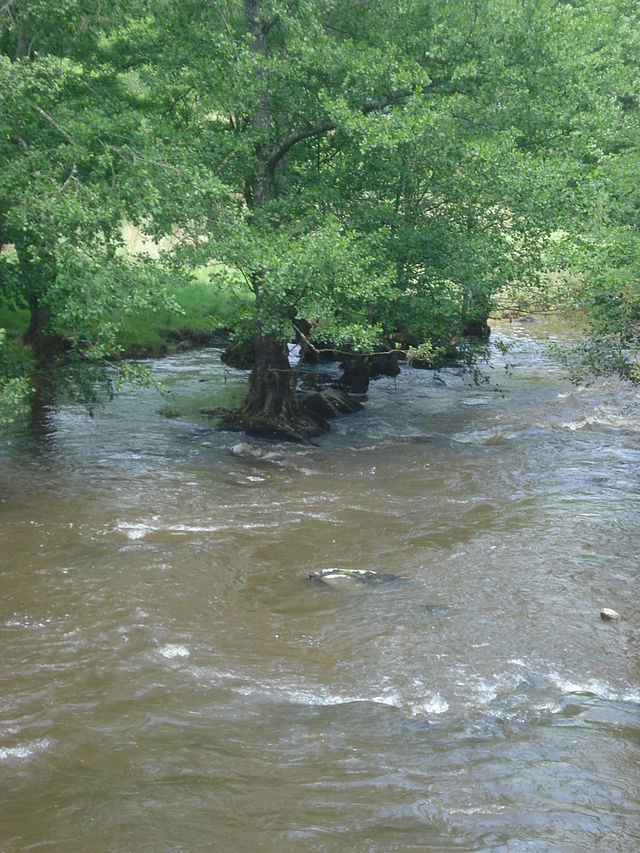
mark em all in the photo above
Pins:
pixel 609 615
pixel 345 578
pixel 249 451
pixel 169 412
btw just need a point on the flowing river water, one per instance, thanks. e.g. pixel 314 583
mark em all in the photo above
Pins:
pixel 171 679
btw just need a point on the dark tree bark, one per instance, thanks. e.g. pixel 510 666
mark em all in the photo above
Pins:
pixel 358 370
pixel 356 374
pixel 270 407
pixel 36 275
pixel 262 183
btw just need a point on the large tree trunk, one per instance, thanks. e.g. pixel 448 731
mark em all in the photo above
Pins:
pixel 36 276
pixel 270 393
pixel 36 335
pixel 271 408
pixel 274 409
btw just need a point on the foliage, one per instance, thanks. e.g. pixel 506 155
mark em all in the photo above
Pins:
pixel 14 388
pixel 379 171
pixel 67 121
pixel 436 149
pixel 604 248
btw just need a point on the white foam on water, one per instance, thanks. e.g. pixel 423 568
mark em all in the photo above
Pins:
pixel 507 687
pixel 548 708
pixel 393 700
pixel 594 687
pixel 499 685
pixel 174 651
pixel 603 416
pixel 23 751
pixel 210 676
pixel 477 401
pixel 294 695
pixel 319 697
pixel 486 693
pixel 140 530
pixel 25 622
pixel 133 531
pixel 574 426
pixel 432 705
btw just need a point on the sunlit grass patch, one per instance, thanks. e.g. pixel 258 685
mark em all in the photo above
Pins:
pixel 214 299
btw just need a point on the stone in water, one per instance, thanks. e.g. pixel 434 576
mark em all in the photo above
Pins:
pixel 608 614
pixel 352 577
pixel 249 451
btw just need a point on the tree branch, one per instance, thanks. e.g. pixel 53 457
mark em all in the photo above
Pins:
pixel 351 353
pixel 287 144
pixel 18 140
pixel 52 121
pixel 72 177
pixel 269 26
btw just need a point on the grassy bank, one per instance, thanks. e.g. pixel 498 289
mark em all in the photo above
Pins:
pixel 15 322
pixel 209 305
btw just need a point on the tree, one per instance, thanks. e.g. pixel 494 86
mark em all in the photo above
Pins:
pixel 384 169
pixel 604 249
pixel 376 172
pixel 69 120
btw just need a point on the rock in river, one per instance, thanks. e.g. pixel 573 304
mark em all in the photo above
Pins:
pixel 345 578
pixel 609 615
pixel 250 451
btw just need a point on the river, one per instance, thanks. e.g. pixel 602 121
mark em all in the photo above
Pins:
pixel 171 679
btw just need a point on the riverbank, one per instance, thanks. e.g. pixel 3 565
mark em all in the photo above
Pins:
pixel 210 310
pixel 207 310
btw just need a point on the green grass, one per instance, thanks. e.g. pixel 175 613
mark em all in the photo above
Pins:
pixel 15 322
pixel 215 299
pixel 210 302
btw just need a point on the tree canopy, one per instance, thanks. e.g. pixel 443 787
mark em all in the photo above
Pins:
pixel 376 172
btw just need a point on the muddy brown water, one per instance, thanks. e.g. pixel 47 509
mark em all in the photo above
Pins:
pixel 172 680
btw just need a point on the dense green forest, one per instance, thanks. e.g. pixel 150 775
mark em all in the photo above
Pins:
pixel 359 176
